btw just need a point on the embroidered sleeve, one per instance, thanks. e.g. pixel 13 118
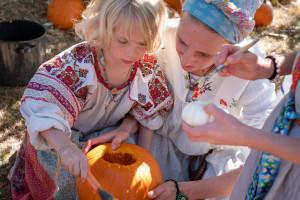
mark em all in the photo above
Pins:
pixel 151 95
pixel 57 92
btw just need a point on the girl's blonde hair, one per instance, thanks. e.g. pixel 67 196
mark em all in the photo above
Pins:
pixel 101 17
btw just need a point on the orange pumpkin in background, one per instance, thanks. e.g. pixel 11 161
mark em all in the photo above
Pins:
pixel 264 14
pixel 63 13
pixel 175 4
pixel 127 173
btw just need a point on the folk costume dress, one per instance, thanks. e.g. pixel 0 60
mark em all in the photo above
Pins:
pixel 248 101
pixel 69 93
pixel 284 183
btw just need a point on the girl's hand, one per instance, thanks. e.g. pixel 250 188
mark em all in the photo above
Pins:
pixel 71 157
pixel 116 136
pixel 224 130
pixel 164 191
pixel 74 160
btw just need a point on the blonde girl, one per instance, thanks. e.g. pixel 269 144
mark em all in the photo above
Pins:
pixel 89 87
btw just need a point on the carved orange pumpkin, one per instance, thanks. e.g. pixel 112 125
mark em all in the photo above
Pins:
pixel 63 13
pixel 264 15
pixel 175 4
pixel 127 173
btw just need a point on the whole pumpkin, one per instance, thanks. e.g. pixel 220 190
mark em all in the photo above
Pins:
pixel 175 4
pixel 264 15
pixel 127 173
pixel 63 13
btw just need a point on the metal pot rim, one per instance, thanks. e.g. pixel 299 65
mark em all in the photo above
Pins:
pixel 24 20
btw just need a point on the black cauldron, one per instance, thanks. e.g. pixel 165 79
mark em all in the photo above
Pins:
pixel 22 50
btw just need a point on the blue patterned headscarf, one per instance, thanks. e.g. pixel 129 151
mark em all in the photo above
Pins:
pixel 232 19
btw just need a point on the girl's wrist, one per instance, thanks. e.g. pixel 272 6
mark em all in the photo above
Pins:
pixel 129 125
pixel 126 127
pixel 56 139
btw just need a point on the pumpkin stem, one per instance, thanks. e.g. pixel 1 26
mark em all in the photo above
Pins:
pixel 119 158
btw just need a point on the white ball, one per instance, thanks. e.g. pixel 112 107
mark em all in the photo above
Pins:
pixel 194 115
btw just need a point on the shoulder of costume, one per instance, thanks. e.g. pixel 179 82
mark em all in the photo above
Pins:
pixel 149 65
pixel 80 52
pixel 76 57
pixel 74 67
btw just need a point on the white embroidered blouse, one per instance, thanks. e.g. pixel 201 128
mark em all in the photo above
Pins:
pixel 69 92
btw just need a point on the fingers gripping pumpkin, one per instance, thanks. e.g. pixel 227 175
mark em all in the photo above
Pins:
pixel 127 173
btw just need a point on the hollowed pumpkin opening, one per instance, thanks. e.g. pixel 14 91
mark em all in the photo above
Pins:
pixel 128 173
pixel 119 158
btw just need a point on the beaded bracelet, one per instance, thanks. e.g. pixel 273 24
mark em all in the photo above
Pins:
pixel 179 194
pixel 276 69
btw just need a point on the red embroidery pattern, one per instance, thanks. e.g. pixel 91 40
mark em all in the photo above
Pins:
pixel 35 98
pixel 59 82
pixel 201 90
pixel 89 59
pixel 148 106
pixel 68 76
pixel 149 63
pixel 296 78
pixel 223 102
pixel 139 112
pixel 149 59
pixel 79 102
pixel 58 63
pixel 142 98
pixel 160 101
pixel 80 52
pixel 101 78
pixel 60 98
pixel 146 69
pixel 83 72
pixel 161 75
pixel 158 91
pixel 71 75
pixel 49 67
pixel 296 75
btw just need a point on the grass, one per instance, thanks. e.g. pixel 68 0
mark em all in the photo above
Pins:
pixel 12 129
pixel 11 123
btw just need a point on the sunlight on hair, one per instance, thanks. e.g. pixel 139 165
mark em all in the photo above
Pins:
pixel 101 17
